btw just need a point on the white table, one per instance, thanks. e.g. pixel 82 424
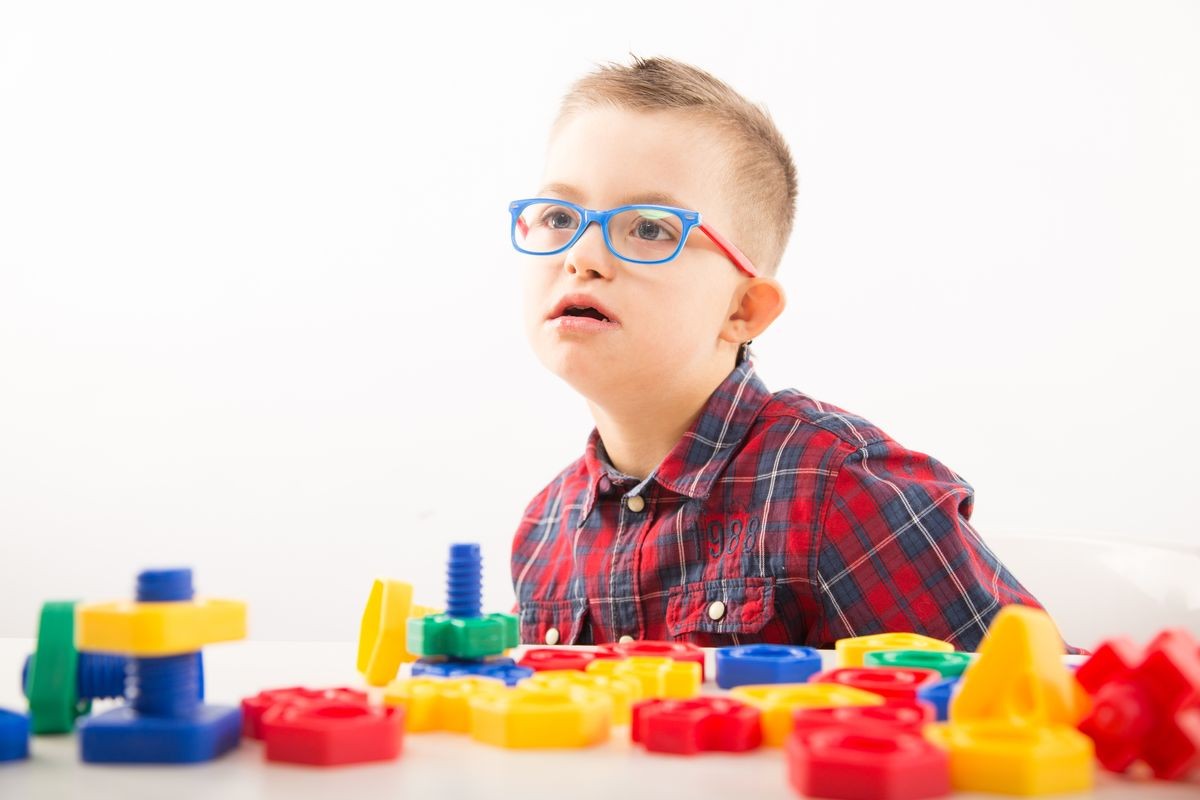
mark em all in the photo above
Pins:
pixel 433 765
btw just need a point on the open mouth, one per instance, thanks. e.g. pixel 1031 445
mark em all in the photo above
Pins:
pixel 584 311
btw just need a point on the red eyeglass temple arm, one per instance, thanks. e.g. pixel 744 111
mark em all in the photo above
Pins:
pixel 738 258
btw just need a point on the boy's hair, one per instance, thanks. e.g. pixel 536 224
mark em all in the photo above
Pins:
pixel 763 175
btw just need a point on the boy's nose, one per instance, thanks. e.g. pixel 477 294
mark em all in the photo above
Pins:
pixel 590 253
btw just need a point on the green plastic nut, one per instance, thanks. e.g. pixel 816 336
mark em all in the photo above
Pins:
pixel 462 637
pixel 950 665
pixel 54 702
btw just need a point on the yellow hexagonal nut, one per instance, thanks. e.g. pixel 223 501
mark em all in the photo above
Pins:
pixel 777 701
pixel 159 628
pixel 438 704
pixel 995 756
pixel 623 690
pixel 382 636
pixel 658 677
pixel 850 652
pixel 534 716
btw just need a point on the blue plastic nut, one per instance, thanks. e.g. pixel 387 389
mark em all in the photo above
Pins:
pixel 14 736
pixel 504 669
pixel 939 695
pixel 750 664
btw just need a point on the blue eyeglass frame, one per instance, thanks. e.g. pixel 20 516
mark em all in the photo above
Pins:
pixel 690 220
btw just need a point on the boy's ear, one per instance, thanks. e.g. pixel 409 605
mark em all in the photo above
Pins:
pixel 755 306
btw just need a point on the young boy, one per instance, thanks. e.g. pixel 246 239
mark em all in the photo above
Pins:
pixel 705 508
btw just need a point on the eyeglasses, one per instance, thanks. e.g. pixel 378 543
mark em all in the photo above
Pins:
pixel 646 234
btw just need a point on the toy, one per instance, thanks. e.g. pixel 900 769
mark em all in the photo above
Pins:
pixel 383 631
pixel 623 690
pixel 765 663
pixel 60 682
pixel 850 652
pixel 700 723
pixel 949 664
pixel 940 693
pixel 1146 704
pixel 165 720
pixel 1024 759
pixel 438 704
pixel 891 683
pixel 911 717
pixel 14 736
pixel 866 764
pixel 463 633
pixel 559 658
pixel 659 677
pixel 330 732
pixel 254 707
pixel 778 701
pixel 501 668
pixel 534 716
pixel 677 651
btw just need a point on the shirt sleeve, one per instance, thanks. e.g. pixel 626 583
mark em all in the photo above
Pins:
pixel 897 553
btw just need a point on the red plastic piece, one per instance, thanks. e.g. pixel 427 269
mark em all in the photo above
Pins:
pixel 1146 703
pixel 700 723
pixel 891 683
pixel 866 764
pixel 253 708
pixel 902 716
pixel 330 732
pixel 680 651
pixel 547 658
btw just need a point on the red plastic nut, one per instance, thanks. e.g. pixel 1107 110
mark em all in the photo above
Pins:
pixel 1146 704
pixel 902 716
pixel 547 658
pixel 700 723
pixel 330 732
pixel 891 683
pixel 253 708
pixel 866 764
pixel 680 651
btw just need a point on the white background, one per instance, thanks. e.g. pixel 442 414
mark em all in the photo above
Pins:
pixel 259 314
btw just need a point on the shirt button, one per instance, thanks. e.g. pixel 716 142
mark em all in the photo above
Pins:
pixel 605 484
pixel 552 636
pixel 625 639
pixel 716 610
pixel 635 503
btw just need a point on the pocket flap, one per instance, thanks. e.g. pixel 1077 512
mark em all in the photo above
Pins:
pixel 734 605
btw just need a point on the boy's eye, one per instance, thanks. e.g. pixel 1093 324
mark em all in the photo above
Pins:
pixel 655 226
pixel 558 218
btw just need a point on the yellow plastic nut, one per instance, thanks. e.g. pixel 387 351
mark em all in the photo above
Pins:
pixel 158 628
pixel 658 676
pixel 438 704
pixel 850 652
pixel 623 690
pixel 1019 676
pixel 382 639
pixel 535 716
pixel 997 756
pixel 777 701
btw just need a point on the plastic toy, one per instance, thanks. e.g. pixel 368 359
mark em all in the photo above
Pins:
pixel 165 720
pixel 940 694
pixel 778 701
pixel 850 652
pixel 438 704
pixel 1021 758
pixel 624 691
pixel 691 726
pixel 751 664
pixel 1146 704
pixel 533 716
pixel 891 683
pixel 866 764
pixel 462 633
pixel 501 668
pixel 559 658
pixel 332 732
pixel 60 682
pixel 14 736
pixel 382 634
pixel 949 664
pixel 659 677
pixel 677 651
pixel 254 707
pixel 911 717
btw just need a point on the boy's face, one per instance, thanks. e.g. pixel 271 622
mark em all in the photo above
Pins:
pixel 668 318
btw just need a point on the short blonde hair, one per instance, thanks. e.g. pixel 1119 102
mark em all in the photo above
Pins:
pixel 763 174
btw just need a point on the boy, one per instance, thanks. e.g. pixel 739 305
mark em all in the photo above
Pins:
pixel 705 508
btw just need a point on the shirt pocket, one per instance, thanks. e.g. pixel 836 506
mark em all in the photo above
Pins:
pixel 746 606
pixel 565 617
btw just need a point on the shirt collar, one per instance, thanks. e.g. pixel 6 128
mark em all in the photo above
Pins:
pixel 700 455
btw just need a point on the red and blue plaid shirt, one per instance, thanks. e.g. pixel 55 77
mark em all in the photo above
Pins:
pixel 775 518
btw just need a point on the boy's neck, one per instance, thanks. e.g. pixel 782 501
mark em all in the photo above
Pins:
pixel 637 436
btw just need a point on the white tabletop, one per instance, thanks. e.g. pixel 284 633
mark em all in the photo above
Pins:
pixel 432 764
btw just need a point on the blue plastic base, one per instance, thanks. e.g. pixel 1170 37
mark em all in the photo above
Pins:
pixel 122 736
pixel 750 664
pixel 939 695
pixel 14 736
pixel 504 669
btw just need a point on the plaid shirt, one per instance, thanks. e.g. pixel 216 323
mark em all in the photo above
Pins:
pixel 776 518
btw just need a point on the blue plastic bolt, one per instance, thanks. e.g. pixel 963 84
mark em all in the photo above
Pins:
pixel 464 585
pixel 14 735
pixel 501 668
pixel 939 695
pixel 98 676
pixel 765 663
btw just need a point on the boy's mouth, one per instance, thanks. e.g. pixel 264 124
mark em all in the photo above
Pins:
pixel 582 304
pixel 583 311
